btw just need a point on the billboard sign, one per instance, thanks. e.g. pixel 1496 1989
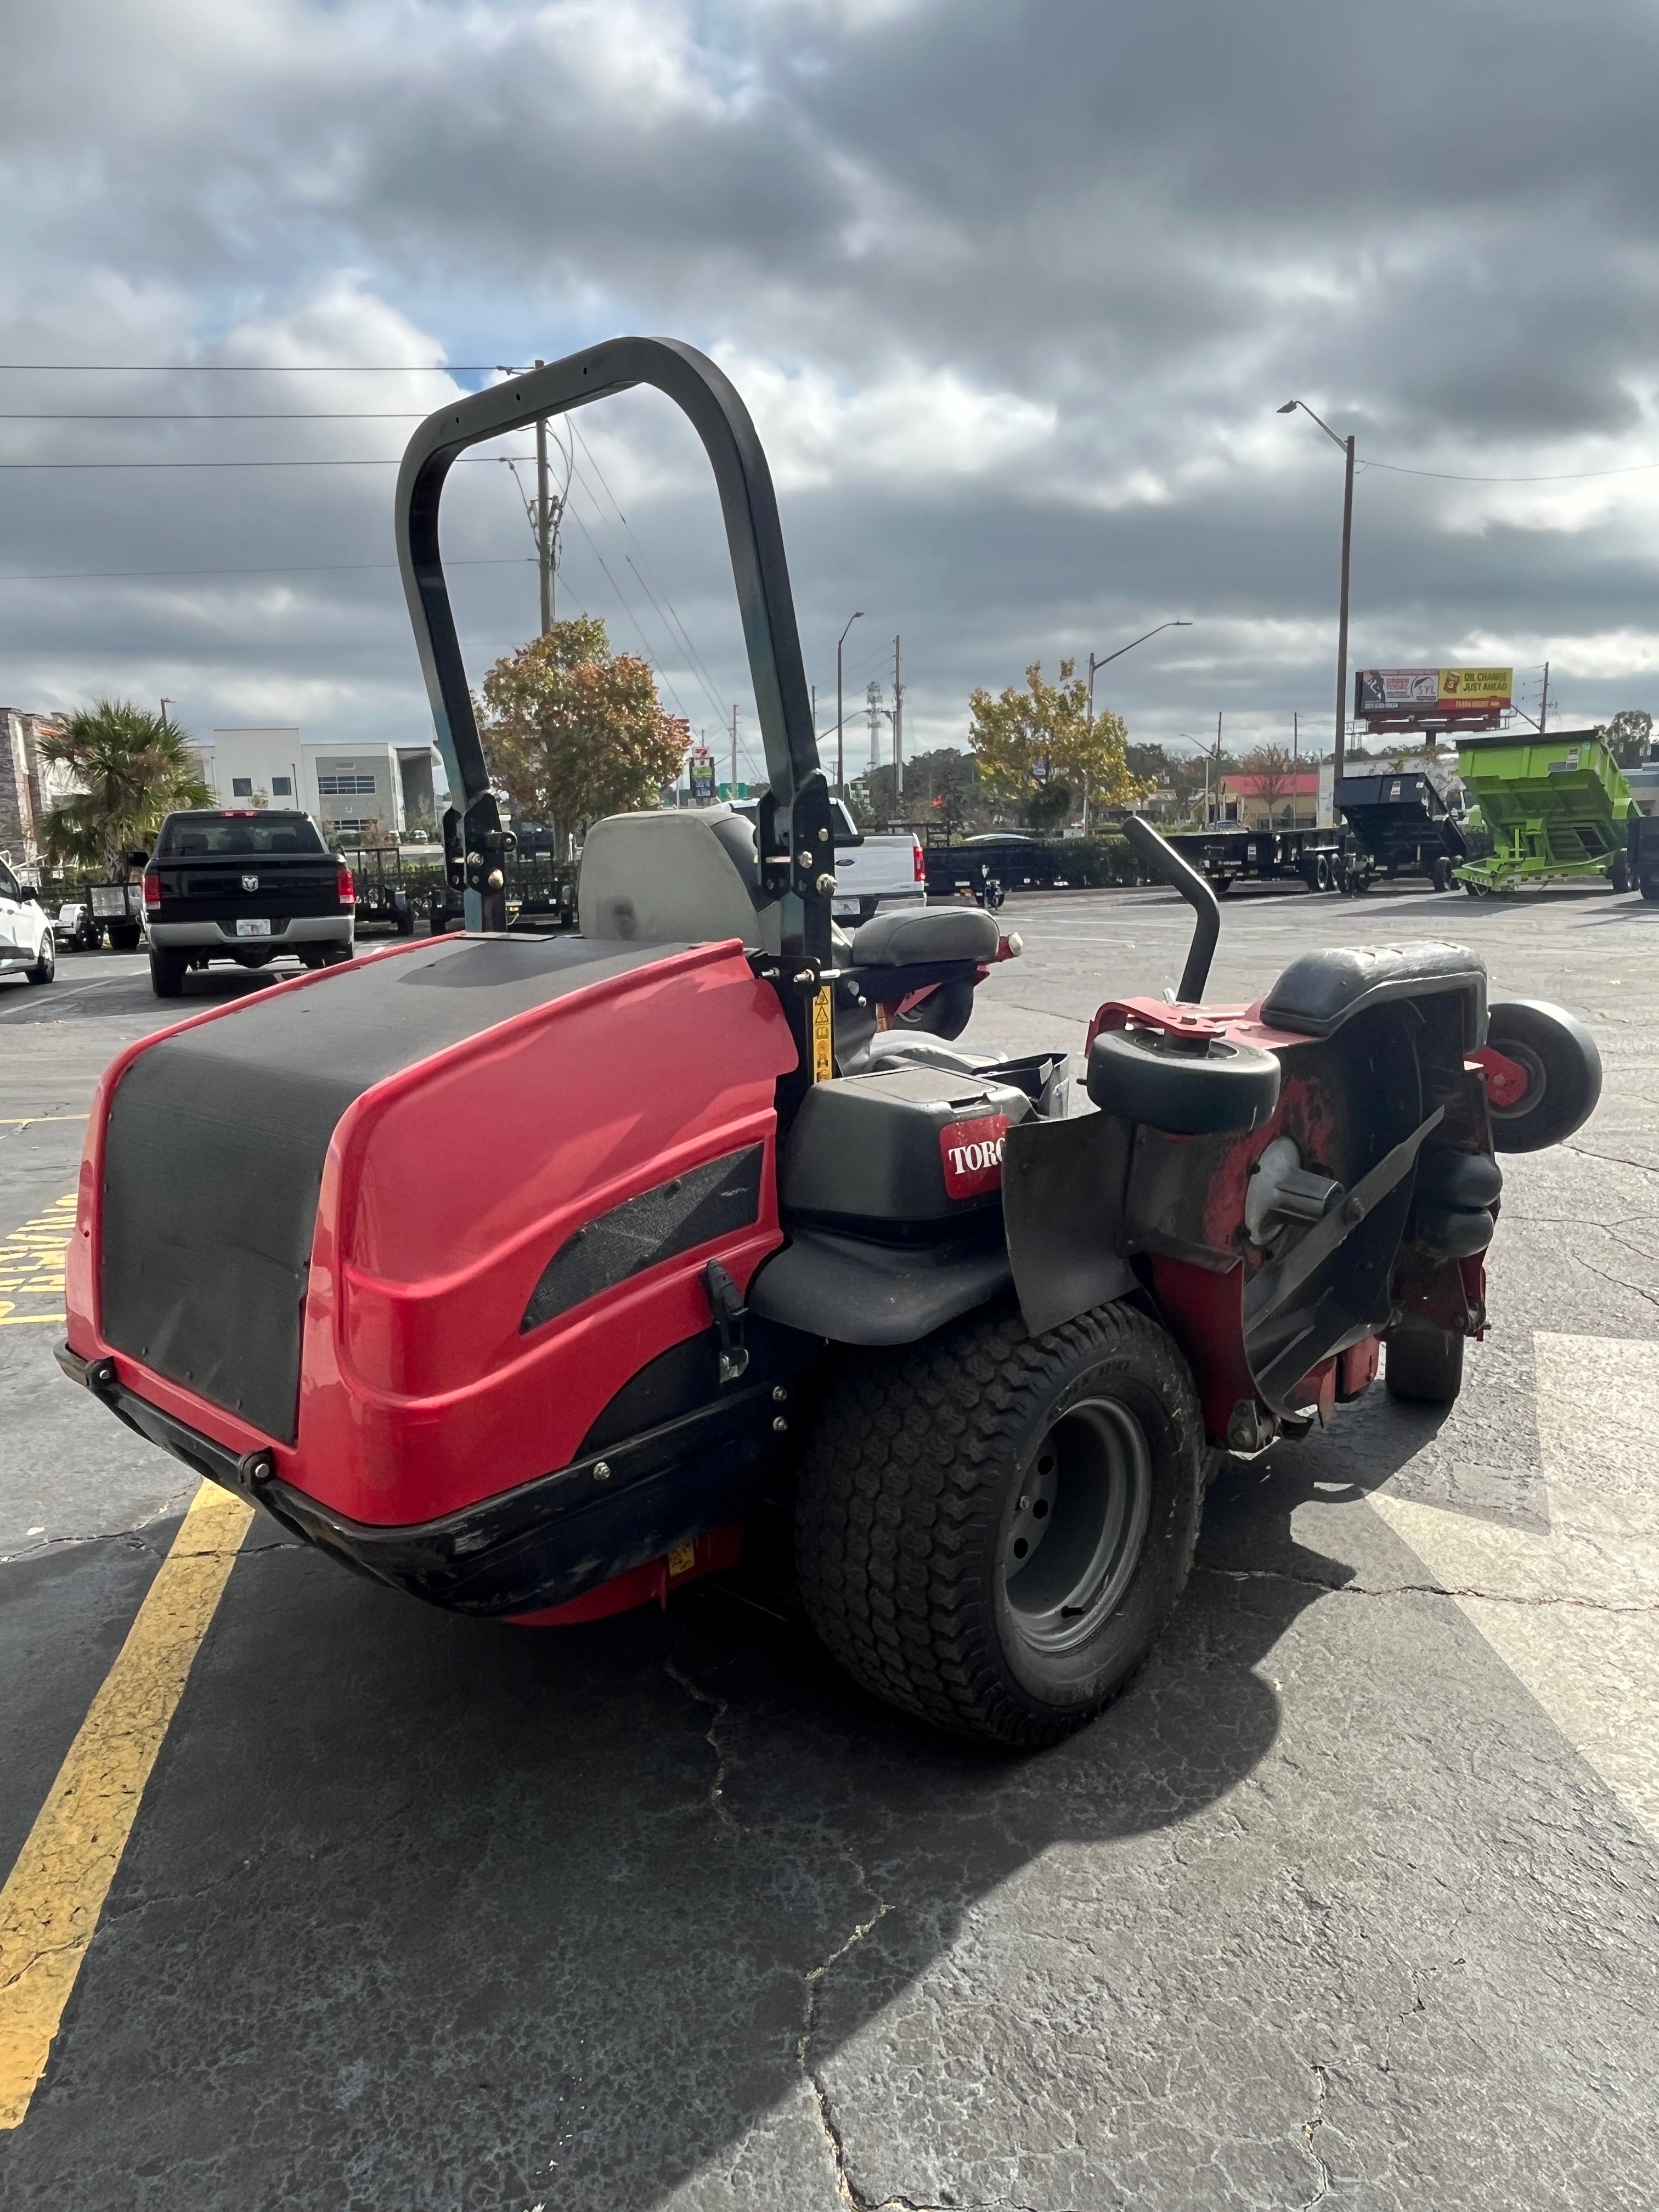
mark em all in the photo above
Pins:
pixel 702 778
pixel 1424 694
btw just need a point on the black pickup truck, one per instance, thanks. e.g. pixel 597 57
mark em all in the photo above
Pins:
pixel 247 884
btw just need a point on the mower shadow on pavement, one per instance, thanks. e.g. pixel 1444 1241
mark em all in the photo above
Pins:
pixel 474 1915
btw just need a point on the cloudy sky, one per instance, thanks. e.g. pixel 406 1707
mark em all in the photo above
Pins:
pixel 1013 291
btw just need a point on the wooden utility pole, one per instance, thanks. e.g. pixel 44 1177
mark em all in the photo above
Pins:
pixel 1342 614
pixel 734 748
pixel 898 732
pixel 544 522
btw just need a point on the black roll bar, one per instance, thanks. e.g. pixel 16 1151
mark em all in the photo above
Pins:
pixel 799 801
pixel 1163 860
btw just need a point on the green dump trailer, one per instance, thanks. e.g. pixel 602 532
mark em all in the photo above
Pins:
pixel 1555 807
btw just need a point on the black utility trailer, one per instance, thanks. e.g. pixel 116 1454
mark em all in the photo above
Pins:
pixel 977 864
pixel 383 898
pixel 1401 825
pixel 1228 851
pixel 539 890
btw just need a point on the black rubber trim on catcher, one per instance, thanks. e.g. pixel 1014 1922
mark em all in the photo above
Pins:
pixel 539 1545
pixel 716 1199
pixel 1563 1070
pixel 913 1471
pixel 1143 1076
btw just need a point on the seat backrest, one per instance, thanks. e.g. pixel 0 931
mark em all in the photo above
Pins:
pixel 671 877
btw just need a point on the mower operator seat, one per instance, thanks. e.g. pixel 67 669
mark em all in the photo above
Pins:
pixel 674 878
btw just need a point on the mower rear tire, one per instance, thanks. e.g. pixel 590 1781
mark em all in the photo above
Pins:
pixel 1139 1074
pixel 993 1529
pixel 1563 1069
pixel 1424 1364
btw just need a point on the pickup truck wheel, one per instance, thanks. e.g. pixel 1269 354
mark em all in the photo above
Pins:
pixel 1422 1365
pixel 166 973
pixel 45 966
pixel 993 1529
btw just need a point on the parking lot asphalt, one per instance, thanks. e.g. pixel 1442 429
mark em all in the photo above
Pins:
pixel 1351 1900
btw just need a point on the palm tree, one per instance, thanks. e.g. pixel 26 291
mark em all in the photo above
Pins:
pixel 132 768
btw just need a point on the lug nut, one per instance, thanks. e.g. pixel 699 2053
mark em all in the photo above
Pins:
pixel 779 1394
pixel 602 1472
pixel 780 1424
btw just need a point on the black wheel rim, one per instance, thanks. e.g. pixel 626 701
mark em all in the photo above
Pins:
pixel 1078 1527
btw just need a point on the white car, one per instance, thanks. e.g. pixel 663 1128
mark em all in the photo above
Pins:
pixel 26 942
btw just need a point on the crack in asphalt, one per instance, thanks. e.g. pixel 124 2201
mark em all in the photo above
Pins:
pixel 1310 2127
pixel 1611 1159
pixel 717 1787
pixel 1416 1589
pixel 812 1979
pixel 1617 1281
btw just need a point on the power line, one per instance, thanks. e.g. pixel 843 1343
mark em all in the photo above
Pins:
pixel 391 461
pixel 651 651
pixel 255 368
pixel 289 415
pixel 1570 476
pixel 710 688
pixel 280 569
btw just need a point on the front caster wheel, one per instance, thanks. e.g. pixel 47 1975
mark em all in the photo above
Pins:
pixel 993 1529
pixel 1424 1364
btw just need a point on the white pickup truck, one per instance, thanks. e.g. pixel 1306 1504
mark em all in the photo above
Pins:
pixel 883 871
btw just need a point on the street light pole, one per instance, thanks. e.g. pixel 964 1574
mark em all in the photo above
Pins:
pixel 840 762
pixel 1346 444
pixel 1100 661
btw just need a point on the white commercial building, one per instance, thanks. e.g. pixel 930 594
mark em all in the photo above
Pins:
pixel 363 790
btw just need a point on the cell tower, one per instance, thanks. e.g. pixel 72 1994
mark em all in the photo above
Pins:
pixel 877 711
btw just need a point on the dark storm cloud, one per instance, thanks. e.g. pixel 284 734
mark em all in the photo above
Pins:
pixel 1014 290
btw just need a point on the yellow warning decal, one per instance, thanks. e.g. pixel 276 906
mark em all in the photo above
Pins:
pixel 682 1559
pixel 823 1036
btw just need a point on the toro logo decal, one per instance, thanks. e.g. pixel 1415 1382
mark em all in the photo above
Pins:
pixel 972 1154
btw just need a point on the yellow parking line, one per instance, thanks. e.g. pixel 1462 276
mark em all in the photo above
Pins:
pixel 49 1907
pixel 32 1262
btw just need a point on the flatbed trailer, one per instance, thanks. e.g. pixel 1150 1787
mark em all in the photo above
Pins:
pixel 1228 852
pixel 1399 824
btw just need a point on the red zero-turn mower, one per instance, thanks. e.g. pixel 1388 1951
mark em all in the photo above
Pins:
pixel 517 1273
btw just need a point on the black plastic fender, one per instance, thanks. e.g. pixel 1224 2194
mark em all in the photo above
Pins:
pixel 1062 1215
